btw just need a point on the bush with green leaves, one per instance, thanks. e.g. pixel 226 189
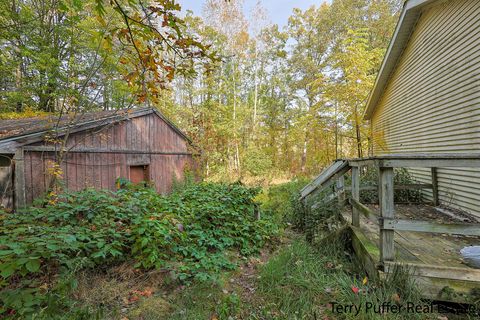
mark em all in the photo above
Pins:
pixel 281 202
pixel 257 163
pixel 190 232
pixel 324 215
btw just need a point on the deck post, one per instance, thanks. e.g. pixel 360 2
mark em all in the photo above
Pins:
pixel 436 201
pixel 341 190
pixel 355 195
pixel 387 212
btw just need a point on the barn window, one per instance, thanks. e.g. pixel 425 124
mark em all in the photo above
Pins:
pixel 139 174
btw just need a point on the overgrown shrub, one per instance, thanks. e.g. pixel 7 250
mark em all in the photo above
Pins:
pixel 189 232
pixel 281 201
pixel 324 214
pixel 257 163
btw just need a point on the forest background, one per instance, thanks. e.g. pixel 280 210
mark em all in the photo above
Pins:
pixel 260 101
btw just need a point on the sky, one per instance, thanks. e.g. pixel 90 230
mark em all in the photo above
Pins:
pixel 278 10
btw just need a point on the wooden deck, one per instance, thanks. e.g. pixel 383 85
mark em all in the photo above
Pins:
pixel 434 258
pixel 390 234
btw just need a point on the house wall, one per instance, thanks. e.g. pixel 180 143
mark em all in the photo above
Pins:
pixel 432 101
pixel 137 141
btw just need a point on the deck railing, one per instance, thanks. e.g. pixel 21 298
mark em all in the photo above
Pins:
pixel 386 221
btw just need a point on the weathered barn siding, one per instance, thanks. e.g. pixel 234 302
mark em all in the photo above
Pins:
pixel 432 100
pixel 102 155
pixel 6 181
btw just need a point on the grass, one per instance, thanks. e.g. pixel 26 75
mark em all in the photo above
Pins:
pixel 295 281
pixel 303 281
pixel 205 301
pixel 299 281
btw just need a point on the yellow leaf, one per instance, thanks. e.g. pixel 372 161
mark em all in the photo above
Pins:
pixel 365 281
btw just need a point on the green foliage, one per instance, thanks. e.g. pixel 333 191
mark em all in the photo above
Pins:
pixel 190 232
pixel 401 176
pixel 324 214
pixel 257 163
pixel 105 47
pixel 215 226
pixel 281 201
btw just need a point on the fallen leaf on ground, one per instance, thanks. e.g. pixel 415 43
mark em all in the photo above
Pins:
pixel 396 297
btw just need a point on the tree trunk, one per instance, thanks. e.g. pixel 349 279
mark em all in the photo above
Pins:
pixel 255 95
pixel 303 166
pixel 358 136
pixel 235 136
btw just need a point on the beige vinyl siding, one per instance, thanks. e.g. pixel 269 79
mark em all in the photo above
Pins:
pixel 432 100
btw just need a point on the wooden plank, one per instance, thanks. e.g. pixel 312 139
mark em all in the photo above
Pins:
pixel 71 173
pixel 429 156
pixel 432 281
pixel 408 186
pixel 434 289
pixel 366 251
pixel 387 210
pixel 102 150
pixel 355 195
pixel 40 177
pixel 329 183
pixel 413 186
pixel 321 179
pixel 19 161
pixel 27 160
pixel 430 248
pixel 371 231
pixel 369 214
pixel 438 271
pixel 436 201
pixel 431 163
pixel 469 229
pixel 90 176
pixel 420 160
pixel 367 162
pixel 340 188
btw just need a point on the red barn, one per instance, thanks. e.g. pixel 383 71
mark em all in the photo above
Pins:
pixel 138 144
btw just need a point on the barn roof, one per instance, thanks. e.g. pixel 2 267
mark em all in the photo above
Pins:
pixel 412 11
pixel 19 129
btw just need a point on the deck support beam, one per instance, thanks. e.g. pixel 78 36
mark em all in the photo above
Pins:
pixel 387 211
pixel 340 188
pixel 436 201
pixel 355 195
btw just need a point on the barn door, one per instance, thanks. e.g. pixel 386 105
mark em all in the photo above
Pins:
pixel 139 174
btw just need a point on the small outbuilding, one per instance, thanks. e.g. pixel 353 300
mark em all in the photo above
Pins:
pixel 101 147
